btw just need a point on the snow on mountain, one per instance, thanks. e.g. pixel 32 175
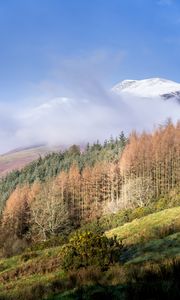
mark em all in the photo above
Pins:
pixel 149 88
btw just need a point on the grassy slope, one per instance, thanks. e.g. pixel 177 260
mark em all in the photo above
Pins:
pixel 152 238
pixel 19 158
pixel 141 235
pixel 148 227
pixel 17 274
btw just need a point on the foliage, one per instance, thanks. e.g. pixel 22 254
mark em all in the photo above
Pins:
pixel 38 275
pixel 101 186
pixel 51 165
pixel 90 249
pixel 113 220
pixel 130 187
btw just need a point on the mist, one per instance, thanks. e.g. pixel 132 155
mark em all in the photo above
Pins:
pixel 77 106
pixel 64 121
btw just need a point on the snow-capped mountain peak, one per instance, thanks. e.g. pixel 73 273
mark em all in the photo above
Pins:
pixel 148 88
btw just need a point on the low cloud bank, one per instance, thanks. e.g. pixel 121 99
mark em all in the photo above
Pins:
pixel 87 112
pixel 65 121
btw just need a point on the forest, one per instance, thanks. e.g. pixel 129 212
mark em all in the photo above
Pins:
pixel 90 190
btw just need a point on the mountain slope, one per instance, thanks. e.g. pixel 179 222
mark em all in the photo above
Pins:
pixel 18 158
pixel 149 88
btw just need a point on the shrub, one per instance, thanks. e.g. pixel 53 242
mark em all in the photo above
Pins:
pixel 140 212
pixel 95 226
pixel 161 204
pixel 90 249
pixel 28 255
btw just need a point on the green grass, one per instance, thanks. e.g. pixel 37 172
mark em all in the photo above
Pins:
pixel 148 227
pixel 151 239
pixel 155 250
pixel 17 275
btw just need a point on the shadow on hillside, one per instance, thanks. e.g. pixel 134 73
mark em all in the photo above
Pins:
pixel 135 291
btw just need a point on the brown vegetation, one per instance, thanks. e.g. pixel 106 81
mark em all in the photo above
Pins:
pixel 149 168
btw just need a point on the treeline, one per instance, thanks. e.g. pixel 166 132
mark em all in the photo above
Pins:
pixel 77 187
pixel 49 167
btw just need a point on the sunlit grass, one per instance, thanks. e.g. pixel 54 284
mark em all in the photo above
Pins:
pixel 148 227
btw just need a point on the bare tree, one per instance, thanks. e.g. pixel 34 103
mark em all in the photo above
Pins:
pixel 137 192
pixel 49 212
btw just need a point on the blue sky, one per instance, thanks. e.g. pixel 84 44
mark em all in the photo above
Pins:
pixel 51 48
pixel 37 35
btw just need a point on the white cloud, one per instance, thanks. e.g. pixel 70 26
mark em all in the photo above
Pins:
pixel 75 107
pixel 66 121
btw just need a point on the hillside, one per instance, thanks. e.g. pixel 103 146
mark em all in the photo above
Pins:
pixel 38 274
pixel 147 227
pixel 95 223
pixel 90 150
pixel 19 158
pixel 151 238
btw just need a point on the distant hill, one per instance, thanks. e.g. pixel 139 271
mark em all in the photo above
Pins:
pixel 18 158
